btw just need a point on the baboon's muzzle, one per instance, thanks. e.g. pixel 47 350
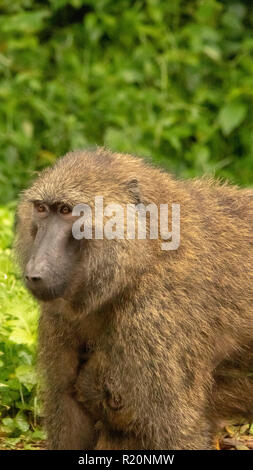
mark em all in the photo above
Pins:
pixel 52 260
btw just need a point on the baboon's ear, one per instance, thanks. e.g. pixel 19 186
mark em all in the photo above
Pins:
pixel 134 190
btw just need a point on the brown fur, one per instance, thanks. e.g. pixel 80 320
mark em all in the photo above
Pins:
pixel 161 323
pixel 232 394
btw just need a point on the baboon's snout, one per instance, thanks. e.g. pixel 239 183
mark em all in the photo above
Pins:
pixel 46 276
pixel 35 272
pixel 44 282
pixel 37 276
pixel 48 269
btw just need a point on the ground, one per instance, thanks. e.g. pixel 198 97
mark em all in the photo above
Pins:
pixel 234 436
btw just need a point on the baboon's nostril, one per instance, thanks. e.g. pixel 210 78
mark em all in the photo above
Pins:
pixel 33 278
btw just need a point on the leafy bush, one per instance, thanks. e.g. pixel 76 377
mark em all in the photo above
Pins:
pixel 168 80
pixel 19 408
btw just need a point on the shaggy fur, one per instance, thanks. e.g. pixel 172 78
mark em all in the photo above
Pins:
pixel 134 354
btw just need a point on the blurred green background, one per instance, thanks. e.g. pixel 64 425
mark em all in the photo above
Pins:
pixel 168 80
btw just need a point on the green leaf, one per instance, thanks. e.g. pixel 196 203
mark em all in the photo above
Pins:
pixel 9 424
pixel 3 386
pixel 21 336
pixel 12 441
pixel 231 116
pixel 38 434
pixel 21 422
pixel 26 376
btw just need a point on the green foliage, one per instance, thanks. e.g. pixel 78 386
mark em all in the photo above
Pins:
pixel 169 80
pixel 18 312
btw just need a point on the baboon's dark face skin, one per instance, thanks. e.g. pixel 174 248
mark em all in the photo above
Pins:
pixel 54 251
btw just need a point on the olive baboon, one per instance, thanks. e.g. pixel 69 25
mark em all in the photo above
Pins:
pixel 134 340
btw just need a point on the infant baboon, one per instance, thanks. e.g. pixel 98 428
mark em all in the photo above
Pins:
pixel 133 339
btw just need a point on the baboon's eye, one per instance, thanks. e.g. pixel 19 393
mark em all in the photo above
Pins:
pixel 40 208
pixel 65 210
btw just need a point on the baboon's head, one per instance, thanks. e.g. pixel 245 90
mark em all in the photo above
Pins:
pixel 55 263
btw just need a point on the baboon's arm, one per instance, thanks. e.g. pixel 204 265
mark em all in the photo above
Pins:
pixel 67 424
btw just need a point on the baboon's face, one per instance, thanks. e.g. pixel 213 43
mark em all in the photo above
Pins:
pixel 54 251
